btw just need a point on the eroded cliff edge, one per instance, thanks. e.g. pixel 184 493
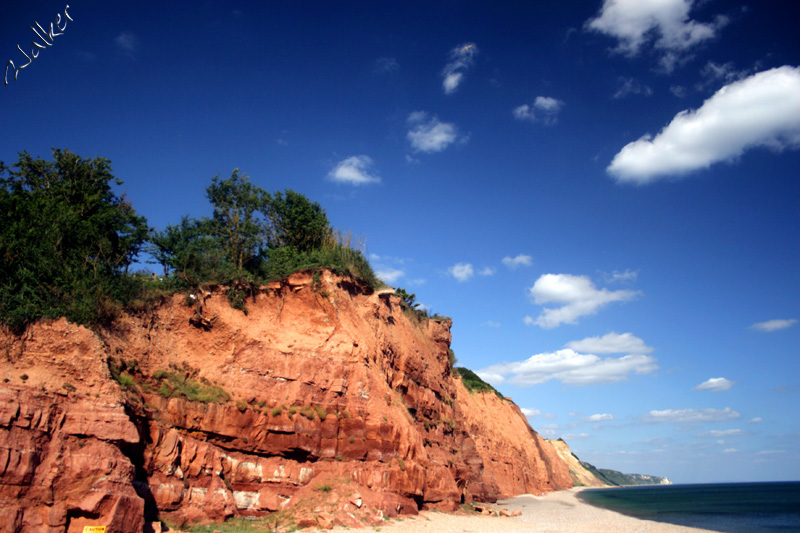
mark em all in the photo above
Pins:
pixel 322 385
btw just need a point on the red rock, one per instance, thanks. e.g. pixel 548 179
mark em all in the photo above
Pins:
pixel 397 425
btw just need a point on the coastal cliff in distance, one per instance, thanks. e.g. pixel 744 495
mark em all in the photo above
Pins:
pixel 326 399
pixel 586 475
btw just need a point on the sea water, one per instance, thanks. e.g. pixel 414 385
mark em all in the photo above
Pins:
pixel 726 507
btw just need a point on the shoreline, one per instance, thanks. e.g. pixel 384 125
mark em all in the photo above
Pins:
pixel 555 512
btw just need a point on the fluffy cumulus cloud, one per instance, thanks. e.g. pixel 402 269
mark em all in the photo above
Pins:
pixel 663 23
pixel 568 367
pixel 611 343
pixel 429 134
pixel 518 261
pixel 355 170
pixel 461 58
pixel 716 385
pixel 774 325
pixel 691 416
pixel 574 297
pixel 461 271
pixel 545 109
pixel 389 275
pixel 530 413
pixel 762 110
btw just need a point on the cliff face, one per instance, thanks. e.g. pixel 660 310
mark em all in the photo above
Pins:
pixel 321 386
pixel 581 476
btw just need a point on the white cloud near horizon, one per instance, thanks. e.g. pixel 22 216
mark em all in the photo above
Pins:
pixel 774 325
pixel 530 413
pixel 430 134
pixel 599 417
pixel 691 416
pixel 545 109
pixel 569 367
pixel 611 343
pixel 576 296
pixel 762 110
pixel 664 23
pixel 461 271
pixel 461 58
pixel 715 385
pixel 355 170
pixel 518 261
pixel 717 433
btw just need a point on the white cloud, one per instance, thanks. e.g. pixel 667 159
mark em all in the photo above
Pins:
pixel 716 385
pixel 461 271
pixel 529 320
pixel 617 276
pixel 389 275
pixel 354 170
pixel 690 416
pixel 570 368
pixel 599 417
pixel 774 325
pixel 678 90
pixel 430 135
pixel 717 433
pixel 611 343
pixel 545 109
pixel 729 450
pixel 576 295
pixel 630 86
pixel 386 65
pixel 461 58
pixel 530 413
pixel 665 23
pixel 575 436
pixel 756 420
pixel 128 42
pixel 519 260
pixel 488 271
pixel 761 110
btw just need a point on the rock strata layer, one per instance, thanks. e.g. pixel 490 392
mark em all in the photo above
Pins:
pixel 324 397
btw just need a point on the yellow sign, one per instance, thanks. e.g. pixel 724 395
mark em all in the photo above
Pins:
pixel 94 529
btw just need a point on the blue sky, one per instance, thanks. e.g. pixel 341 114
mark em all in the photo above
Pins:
pixel 602 194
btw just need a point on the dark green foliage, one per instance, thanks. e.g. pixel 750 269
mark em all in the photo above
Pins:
pixel 451 358
pixel 191 253
pixel 474 383
pixel 406 298
pixel 296 222
pixel 239 221
pixel 67 241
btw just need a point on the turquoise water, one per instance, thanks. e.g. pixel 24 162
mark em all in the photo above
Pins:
pixel 725 507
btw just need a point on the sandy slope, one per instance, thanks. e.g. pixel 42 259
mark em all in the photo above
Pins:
pixel 557 512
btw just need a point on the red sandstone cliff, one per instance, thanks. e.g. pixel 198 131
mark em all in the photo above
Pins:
pixel 330 386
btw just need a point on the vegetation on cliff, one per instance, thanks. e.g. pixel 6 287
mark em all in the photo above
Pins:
pixel 69 242
pixel 474 383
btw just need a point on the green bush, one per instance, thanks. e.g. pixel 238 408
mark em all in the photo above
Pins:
pixel 178 385
pixel 474 383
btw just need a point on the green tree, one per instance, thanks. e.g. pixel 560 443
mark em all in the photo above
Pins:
pixel 67 239
pixel 296 222
pixel 190 253
pixel 407 298
pixel 238 220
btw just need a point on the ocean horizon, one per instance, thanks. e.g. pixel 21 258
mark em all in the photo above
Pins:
pixel 755 507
